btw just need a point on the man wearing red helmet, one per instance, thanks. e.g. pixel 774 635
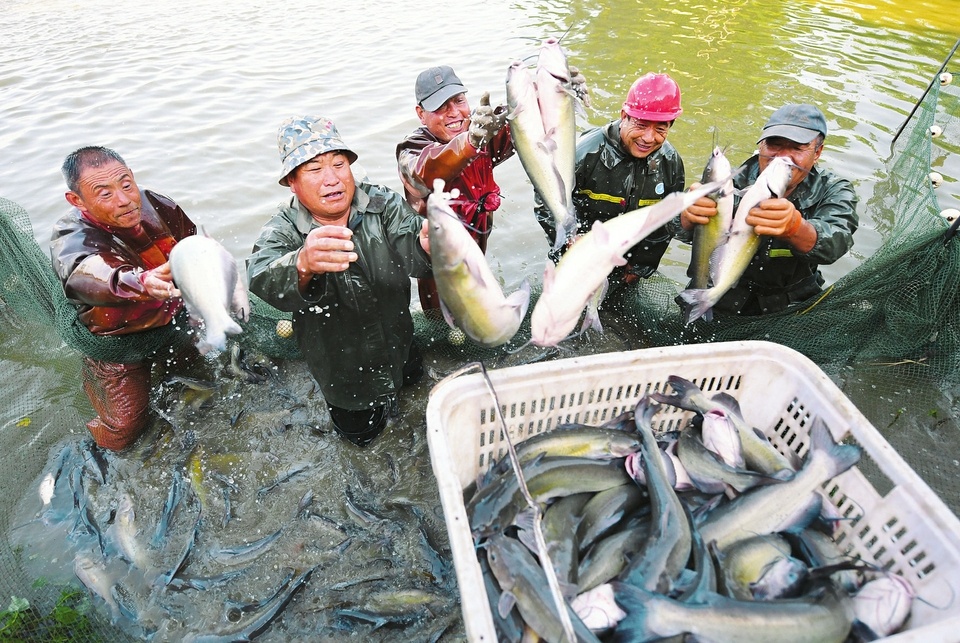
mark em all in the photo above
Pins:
pixel 628 164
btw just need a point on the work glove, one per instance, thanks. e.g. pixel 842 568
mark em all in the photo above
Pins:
pixel 578 83
pixel 483 123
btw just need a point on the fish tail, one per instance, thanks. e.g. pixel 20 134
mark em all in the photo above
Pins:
pixel 636 603
pixel 697 303
pixel 565 231
pixel 840 456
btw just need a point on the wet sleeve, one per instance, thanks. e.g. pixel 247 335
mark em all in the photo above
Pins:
pixel 105 279
pixel 173 215
pixel 403 227
pixel 272 267
pixel 421 167
pixel 835 218
pixel 501 147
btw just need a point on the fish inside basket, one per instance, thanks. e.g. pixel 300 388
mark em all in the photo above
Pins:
pixel 893 519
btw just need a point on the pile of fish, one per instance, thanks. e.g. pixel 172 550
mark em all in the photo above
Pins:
pixel 237 520
pixel 708 532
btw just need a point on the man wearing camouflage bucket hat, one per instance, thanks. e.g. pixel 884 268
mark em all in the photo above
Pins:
pixel 339 256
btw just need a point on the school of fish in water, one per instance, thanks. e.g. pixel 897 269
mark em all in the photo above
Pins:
pixel 707 532
pixel 236 513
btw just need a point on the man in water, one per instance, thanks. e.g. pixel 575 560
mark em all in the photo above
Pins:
pixel 110 253
pixel 339 255
pixel 458 146
pixel 812 224
pixel 625 165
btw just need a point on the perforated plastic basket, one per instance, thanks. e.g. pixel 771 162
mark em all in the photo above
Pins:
pixel 894 519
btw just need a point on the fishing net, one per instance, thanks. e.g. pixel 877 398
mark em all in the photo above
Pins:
pixel 886 332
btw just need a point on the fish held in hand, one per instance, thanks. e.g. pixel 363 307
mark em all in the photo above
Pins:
pixel 212 287
pixel 730 259
pixel 584 268
pixel 539 152
pixel 470 296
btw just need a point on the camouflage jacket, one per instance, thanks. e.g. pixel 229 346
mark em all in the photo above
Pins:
pixel 610 182
pixel 779 275
pixel 101 267
pixel 353 328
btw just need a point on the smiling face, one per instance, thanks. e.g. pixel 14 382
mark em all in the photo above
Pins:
pixel 642 138
pixel 325 186
pixel 107 194
pixel 451 119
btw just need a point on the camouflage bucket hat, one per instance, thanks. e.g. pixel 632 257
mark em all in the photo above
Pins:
pixel 300 138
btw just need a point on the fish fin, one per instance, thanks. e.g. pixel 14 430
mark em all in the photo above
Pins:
pixel 591 318
pixel 447 317
pixel 698 303
pixel 548 145
pixel 506 603
pixel 240 304
pixel 549 278
pixel 810 512
pixel 520 298
pixel 841 456
pixel 634 601
pixel 730 402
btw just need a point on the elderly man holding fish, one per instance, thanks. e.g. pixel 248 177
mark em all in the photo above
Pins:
pixel 808 221
pixel 339 256
pixel 626 165
pixel 111 254
pixel 461 148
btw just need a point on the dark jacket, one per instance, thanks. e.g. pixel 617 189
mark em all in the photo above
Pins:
pixel 779 275
pixel 101 267
pixel 353 328
pixel 610 182
pixel 422 158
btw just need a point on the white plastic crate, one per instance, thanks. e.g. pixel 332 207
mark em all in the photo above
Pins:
pixel 901 525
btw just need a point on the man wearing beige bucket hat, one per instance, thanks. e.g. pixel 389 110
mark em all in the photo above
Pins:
pixel 339 256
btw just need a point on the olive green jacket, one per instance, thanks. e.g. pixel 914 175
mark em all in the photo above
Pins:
pixel 353 328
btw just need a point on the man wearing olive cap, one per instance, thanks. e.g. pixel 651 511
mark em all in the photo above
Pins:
pixel 812 224
pixel 339 256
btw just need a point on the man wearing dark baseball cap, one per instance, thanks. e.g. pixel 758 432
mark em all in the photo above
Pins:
pixel 812 225
pixel 458 146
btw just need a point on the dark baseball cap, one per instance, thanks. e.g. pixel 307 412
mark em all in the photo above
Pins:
pixel 798 123
pixel 437 85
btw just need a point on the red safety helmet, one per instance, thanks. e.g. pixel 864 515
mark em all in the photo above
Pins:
pixel 653 97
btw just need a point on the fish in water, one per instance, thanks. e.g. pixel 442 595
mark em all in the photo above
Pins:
pixel 470 296
pixel 47 486
pixel 212 287
pixel 731 258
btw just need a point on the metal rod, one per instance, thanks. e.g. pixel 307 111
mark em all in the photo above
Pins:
pixel 935 79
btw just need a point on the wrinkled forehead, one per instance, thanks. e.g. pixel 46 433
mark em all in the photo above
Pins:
pixel 96 174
